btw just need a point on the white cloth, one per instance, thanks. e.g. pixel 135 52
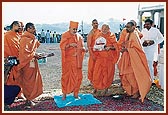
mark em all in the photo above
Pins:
pixel 162 77
pixel 152 50
pixel 42 34
pixel 100 43
pixel 155 35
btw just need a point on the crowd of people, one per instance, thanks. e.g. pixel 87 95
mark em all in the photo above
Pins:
pixel 135 54
pixel 48 37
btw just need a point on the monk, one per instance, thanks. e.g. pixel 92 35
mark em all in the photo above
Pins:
pixel 11 48
pixel 106 54
pixel 133 67
pixel 136 29
pixel 21 29
pixel 90 43
pixel 124 33
pixel 72 52
pixel 31 78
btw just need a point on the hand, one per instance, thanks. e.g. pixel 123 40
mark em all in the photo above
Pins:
pixel 112 48
pixel 86 50
pixel 151 42
pixel 73 45
pixel 38 56
pixel 155 63
pixel 123 50
pixel 145 44
pixel 107 48
pixel 148 43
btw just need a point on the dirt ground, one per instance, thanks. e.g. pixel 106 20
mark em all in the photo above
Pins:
pixel 51 70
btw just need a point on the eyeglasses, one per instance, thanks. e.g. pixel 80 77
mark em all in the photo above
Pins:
pixel 75 29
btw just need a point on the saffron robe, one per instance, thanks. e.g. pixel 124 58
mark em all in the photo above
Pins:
pixel 104 67
pixel 72 59
pixel 123 35
pixel 31 79
pixel 90 43
pixel 133 67
pixel 11 48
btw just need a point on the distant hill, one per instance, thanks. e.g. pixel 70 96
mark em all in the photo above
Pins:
pixel 62 27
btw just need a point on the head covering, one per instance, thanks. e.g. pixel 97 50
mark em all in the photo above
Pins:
pixel 73 24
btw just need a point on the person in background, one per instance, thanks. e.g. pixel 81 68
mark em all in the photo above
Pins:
pixel 51 37
pixel 72 52
pixel 55 37
pixel 124 33
pixel 90 43
pixel 43 36
pixel 11 48
pixel 106 54
pixel 10 91
pixel 48 36
pixel 21 29
pixel 150 40
pixel 137 29
pixel 31 81
pixel 155 64
pixel 133 66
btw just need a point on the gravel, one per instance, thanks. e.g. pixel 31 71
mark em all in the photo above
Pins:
pixel 51 70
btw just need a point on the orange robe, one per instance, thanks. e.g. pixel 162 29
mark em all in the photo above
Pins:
pixel 122 38
pixel 90 43
pixel 133 67
pixel 123 35
pixel 72 59
pixel 28 68
pixel 20 33
pixel 11 48
pixel 104 68
pixel 139 33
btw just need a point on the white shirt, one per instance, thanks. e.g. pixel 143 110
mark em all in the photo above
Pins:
pixel 42 34
pixel 152 50
pixel 48 34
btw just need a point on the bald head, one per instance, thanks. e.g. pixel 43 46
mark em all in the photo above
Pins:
pixel 130 27
pixel 105 28
pixel 133 21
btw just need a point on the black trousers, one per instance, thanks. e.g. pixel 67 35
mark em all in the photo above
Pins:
pixel 10 92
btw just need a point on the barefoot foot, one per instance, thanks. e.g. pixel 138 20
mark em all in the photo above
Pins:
pixel 64 97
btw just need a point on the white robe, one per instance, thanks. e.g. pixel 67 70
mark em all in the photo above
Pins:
pixel 152 50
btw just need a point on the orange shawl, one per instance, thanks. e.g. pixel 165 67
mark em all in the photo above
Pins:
pixel 104 68
pixel 72 59
pixel 11 48
pixel 139 64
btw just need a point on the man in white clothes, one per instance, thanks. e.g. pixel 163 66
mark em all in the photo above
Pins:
pixel 43 36
pixel 150 40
